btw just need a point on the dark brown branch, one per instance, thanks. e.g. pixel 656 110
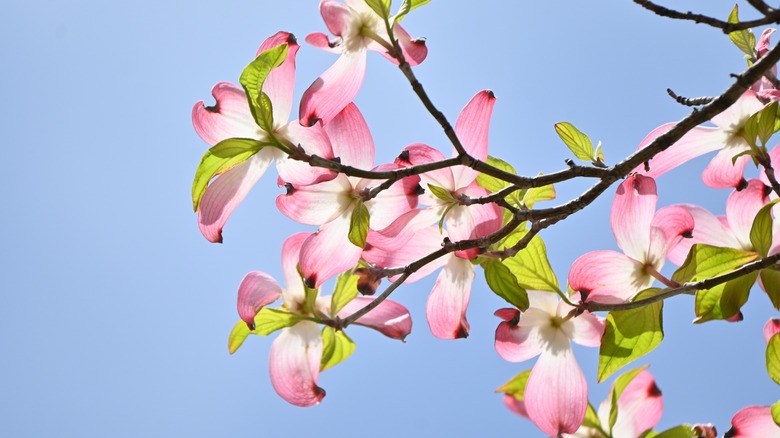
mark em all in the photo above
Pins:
pixel 690 101
pixel 760 6
pixel 687 288
pixel 726 27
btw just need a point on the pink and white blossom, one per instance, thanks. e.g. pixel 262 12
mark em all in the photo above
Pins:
pixel 295 356
pixel 230 117
pixel 725 137
pixel 645 236
pixel 753 422
pixel 556 393
pixel 357 29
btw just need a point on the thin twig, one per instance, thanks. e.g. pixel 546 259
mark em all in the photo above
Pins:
pixel 726 27
pixel 690 101
pixel 760 6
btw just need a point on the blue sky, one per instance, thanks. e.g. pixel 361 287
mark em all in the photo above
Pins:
pixel 115 312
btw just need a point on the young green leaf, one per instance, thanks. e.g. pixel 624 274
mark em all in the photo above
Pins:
pixel 776 413
pixel 591 418
pixel 536 194
pixel 531 265
pixel 358 225
pixel 267 321
pixel 493 184
pixel 252 79
pixel 336 347
pixel 629 335
pixel 381 7
pixel 770 278
pixel 761 231
pixel 773 358
pixel 577 142
pixel 442 194
pixel 743 39
pixel 705 261
pixel 516 385
pixel 408 6
pixel 750 131
pixel 219 159
pixel 681 431
pixel 599 157
pixel 617 389
pixel 504 284
pixel 724 300
pixel 344 292
pixel 766 122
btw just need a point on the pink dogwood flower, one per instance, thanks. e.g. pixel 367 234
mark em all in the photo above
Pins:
pixel 357 29
pixel 771 328
pixel 640 406
pixel 645 236
pixel 330 204
pixel 230 117
pixel 725 137
pixel 765 88
pixel 295 356
pixel 753 422
pixel 556 394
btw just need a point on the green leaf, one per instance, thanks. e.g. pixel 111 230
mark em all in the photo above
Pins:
pixel 591 418
pixel 408 6
pixel 681 431
pixel 706 261
pixel 766 122
pixel 743 39
pixel 358 225
pixel 724 300
pixel 267 321
pixel 344 292
pixel 773 357
pixel 770 278
pixel 599 154
pixel 336 347
pixel 219 159
pixel 381 7
pixel 776 413
pixel 531 266
pixel 630 334
pixel 490 183
pixel 252 79
pixel 442 194
pixel 761 231
pixel 504 284
pixel 516 385
pixel 749 130
pixel 577 142
pixel 536 194
pixel 617 389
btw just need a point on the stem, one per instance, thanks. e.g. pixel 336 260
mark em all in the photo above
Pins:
pixel 658 276
pixel 766 162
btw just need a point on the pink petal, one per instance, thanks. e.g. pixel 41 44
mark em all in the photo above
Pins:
pixel 337 16
pixel 735 116
pixel 517 344
pixel 774 157
pixel 294 364
pixel 669 226
pixel 321 41
pixel 314 141
pixel 392 203
pixel 328 252
pixel 280 82
pixel 422 154
pixel 753 422
pixel 317 204
pixel 472 129
pixel 334 89
pixel 639 407
pixel 389 317
pixel 632 213
pixel 228 118
pixel 415 51
pixel 696 142
pixel 556 394
pixel 350 138
pixel 225 193
pixel 771 328
pixel 398 233
pixel 762 46
pixel 608 277
pixel 707 229
pixel 293 294
pixel 257 290
pixel 471 222
pixel 586 329
pixel 742 208
pixel 722 173
pixel 515 405
pixel 447 303
pixel 542 300
pixel 415 247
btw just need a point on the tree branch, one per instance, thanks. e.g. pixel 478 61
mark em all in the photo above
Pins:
pixel 769 18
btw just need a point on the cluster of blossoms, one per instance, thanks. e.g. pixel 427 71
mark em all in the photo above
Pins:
pixel 405 219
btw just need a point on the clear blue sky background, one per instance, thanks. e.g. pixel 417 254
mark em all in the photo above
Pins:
pixel 115 312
